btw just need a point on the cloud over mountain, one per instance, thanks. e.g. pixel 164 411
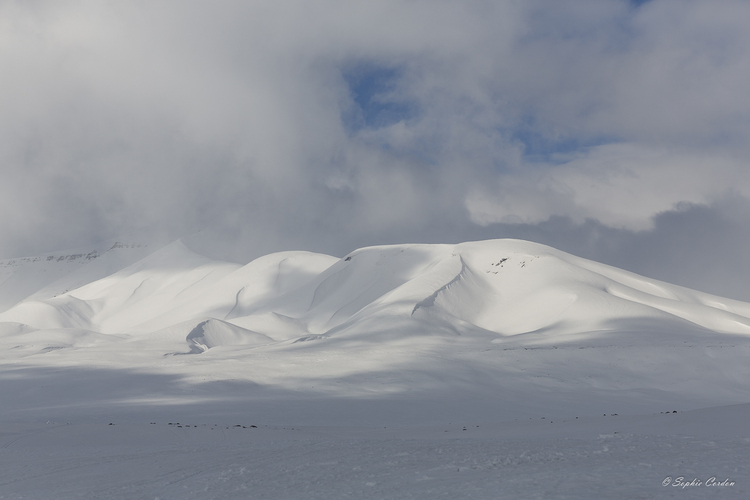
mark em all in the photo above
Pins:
pixel 333 126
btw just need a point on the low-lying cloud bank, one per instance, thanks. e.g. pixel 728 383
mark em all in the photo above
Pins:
pixel 612 129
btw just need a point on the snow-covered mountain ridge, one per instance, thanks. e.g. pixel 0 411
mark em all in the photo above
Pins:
pixel 493 367
pixel 499 288
pixel 438 321
pixel 58 272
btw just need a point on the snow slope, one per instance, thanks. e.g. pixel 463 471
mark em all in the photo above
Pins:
pixel 506 335
pixel 503 288
pixel 51 274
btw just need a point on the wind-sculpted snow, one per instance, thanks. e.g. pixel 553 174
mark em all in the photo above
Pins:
pixel 501 287
pixel 514 337
pixel 384 310
pixel 214 333
pixel 381 317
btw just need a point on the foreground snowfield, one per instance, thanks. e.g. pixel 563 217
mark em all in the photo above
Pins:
pixel 572 379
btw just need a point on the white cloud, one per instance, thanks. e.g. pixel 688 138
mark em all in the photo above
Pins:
pixel 171 116
pixel 621 185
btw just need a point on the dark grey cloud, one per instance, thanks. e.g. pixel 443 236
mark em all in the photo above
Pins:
pixel 329 125
pixel 698 246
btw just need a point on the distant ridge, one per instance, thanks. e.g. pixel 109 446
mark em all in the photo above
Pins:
pixel 43 276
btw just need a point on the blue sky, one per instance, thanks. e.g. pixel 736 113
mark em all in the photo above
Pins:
pixel 612 129
pixel 372 87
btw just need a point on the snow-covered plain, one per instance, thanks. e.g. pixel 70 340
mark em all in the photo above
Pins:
pixel 494 369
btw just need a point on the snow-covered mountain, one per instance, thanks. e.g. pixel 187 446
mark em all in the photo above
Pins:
pixel 45 276
pixel 392 319
pixel 490 289
pixel 403 350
